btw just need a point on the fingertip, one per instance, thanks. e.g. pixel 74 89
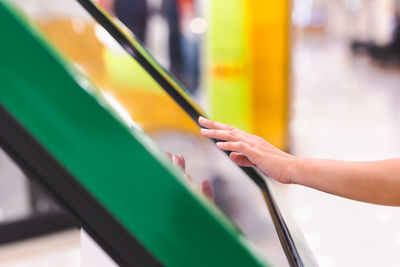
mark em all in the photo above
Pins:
pixel 207 189
pixel 179 161
pixel 175 159
pixel 182 161
pixel 168 155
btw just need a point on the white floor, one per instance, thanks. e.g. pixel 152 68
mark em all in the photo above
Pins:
pixel 61 249
pixel 344 108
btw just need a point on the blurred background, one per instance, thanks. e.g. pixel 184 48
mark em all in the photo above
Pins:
pixel 320 79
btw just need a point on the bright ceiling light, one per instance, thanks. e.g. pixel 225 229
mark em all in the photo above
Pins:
pixel 198 25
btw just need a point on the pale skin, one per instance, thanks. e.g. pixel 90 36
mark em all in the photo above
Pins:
pixel 375 182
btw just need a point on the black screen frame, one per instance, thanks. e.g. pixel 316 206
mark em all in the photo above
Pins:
pixel 284 235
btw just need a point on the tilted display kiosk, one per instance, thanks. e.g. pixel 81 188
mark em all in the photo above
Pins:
pixel 62 123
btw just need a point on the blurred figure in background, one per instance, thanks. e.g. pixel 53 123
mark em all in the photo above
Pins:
pixel 388 53
pixel 183 42
pixel 184 46
pixel 190 44
pixel 170 12
pixel 133 13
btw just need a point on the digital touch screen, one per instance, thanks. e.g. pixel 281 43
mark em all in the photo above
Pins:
pixel 140 100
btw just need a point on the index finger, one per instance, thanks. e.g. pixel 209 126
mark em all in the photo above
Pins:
pixel 213 124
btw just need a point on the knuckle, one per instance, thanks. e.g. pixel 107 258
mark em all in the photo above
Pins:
pixel 241 144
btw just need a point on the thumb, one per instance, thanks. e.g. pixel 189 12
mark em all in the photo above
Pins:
pixel 241 159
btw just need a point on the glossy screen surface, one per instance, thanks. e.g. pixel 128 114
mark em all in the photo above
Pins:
pixel 140 101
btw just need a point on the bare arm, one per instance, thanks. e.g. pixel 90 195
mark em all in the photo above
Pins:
pixel 374 182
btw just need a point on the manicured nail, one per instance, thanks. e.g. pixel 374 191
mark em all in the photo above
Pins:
pixel 201 118
pixel 202 130
pixel 219 144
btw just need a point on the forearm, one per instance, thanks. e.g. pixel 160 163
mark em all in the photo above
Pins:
pixel 374 182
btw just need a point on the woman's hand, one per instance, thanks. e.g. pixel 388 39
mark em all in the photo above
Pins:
pixel 205 185
pixel 250 150
pixel 375 182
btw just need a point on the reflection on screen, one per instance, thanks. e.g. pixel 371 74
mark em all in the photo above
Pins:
pixel 122 82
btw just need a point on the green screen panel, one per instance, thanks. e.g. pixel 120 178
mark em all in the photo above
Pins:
pixel 116 162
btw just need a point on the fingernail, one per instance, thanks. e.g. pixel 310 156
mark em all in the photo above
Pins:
pixel 219 144
pixel 202 130
pixel 201 118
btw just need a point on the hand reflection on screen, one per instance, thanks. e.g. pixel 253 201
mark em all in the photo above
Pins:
pixel 205 185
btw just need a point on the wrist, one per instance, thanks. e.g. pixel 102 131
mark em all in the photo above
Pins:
pixel 296 170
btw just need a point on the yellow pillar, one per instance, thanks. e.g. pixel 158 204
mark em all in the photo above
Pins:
pixel 269 45
pixel 248 66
